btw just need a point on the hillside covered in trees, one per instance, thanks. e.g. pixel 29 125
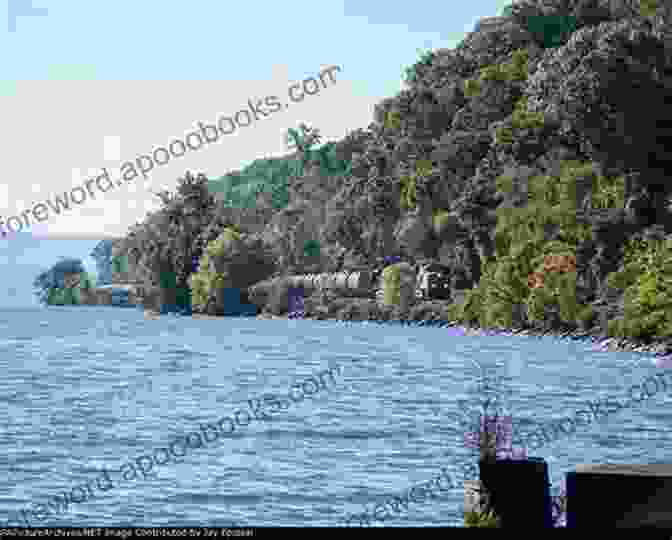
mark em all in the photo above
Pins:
pixel 532 160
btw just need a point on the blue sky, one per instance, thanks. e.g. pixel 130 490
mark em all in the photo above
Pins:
pixel 92 84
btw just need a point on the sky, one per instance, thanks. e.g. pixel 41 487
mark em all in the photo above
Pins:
pixel 87 86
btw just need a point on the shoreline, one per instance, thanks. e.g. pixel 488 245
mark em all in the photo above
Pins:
pixel 661 349
pixel 604 343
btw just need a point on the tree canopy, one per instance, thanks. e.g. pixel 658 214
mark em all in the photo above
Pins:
pixel 51 287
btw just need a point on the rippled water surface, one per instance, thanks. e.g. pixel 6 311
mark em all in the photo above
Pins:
pixel 92 388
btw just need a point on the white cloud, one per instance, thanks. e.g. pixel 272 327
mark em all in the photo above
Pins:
pixel 112 148
pixel 58 133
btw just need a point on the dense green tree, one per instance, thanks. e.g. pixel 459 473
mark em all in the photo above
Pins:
pixel 524 238
pixel 646 279
pixel 53 278
pixel 168 240
pixel 50 286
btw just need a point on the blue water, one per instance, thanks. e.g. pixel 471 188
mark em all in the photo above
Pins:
pixel 90 387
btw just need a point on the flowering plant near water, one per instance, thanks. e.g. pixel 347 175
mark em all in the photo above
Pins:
pixel 559 508
pixel 494 441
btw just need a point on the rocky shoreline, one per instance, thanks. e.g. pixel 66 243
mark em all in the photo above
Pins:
pixel 659 348
pixel 433 313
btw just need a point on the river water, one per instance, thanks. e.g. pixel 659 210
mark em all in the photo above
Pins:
pixel 90 389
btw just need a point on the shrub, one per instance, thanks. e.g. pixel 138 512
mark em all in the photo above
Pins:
pixel 522 118
pixel 120 264
pixel 586 314
pixel 502 286
pixel 61 297
pixel 515 70
pixel 200 284
pixel 454 312
pixel 645 277
pixel 423 167
pixel 408 193
pixel 557 289
pixel 536 303
pixel 554 282
pixel 482 519
pixel 392 120
pixel 469 311
pixel 503 135
pixel 218 246
pixel 609 192
pixel 495 72
pixel 56 296
pixel 206 281
pixel 440 217
pixel 392 285
pixel 648 289
pixel 643 255
pixel 560 192
pixel 87 281
pixel 472 87
pixel 504 183
pixel 230 234
pixel 527 268
pixel 606 192
pixel 615 328
pixel 648 8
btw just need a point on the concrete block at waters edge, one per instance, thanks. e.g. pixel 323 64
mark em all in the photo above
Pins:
pixel 620 496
